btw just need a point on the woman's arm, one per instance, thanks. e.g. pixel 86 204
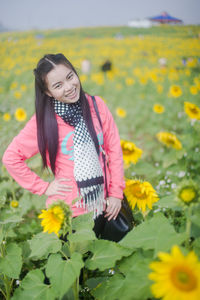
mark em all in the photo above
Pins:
pixel 22 147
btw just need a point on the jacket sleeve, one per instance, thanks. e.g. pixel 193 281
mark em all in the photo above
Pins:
pixel 22 147
pixel 113 151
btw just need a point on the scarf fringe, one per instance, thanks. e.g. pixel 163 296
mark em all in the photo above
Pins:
pixel 93 201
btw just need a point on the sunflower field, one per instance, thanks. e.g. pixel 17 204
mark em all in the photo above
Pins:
pixel 152 89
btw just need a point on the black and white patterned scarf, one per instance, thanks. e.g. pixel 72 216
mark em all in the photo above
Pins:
pixel 87 169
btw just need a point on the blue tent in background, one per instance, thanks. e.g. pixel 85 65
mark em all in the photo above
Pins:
pixel 165 18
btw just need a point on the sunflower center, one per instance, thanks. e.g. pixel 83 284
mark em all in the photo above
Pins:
pixel 128 149
pixel 187 195
pixel 183 278
pixel 136 190
pixel 170 140
pixel 57 214
pixel 194 110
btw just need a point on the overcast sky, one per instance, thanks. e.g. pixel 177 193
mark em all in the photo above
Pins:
pixel 48 14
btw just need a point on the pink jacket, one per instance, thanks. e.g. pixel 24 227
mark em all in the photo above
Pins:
pixel 25 145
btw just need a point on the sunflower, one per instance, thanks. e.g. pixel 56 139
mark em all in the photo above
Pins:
pixel 131 153
pixel 121 112
pixel 17 95
pixel 140 193
pixel 188 192
pixel 6 117
pixel 143 80
pixel 56 217
pixel 169 139
pixel 52 219
pixel 23 87
pixel 98 78
pixel 129 81
pixel 175 91
pixel 153 77
pixel 187 72
pixel 192 62
pixel 14 203
pixel 13 85
pixel 158 108
pixel 20 114
pixel 110 74
pixel 193 90
pixel 176 276
pixel 159 88
pixel 192 110
pixel 83 77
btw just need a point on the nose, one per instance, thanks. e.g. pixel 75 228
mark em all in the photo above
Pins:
pixel 67 86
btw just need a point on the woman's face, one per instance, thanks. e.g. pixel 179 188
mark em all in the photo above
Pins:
pixel 63 84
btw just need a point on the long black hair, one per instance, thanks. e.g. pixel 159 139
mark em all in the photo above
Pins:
pixel 47 127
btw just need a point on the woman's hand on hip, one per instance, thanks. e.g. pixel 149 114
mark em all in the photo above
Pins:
pixel 113 207
pixel 56 187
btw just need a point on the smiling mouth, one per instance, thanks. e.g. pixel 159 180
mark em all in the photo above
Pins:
pixel 71 95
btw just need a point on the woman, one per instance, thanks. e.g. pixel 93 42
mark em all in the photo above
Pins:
pixel 66 131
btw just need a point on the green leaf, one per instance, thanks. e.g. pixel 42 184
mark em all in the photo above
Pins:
pixel 84 220
pixel 1 234
pixel 3 198
pixel 81 235
pixel 83 227
pixel 129 263
pixel 93 282
pixel 152 234
pixel 11 219
pixel 171 157
pixel 32 287
pixel 195 218
pixel 31 201
pixel 42 244
pixel 11 264
pixel 167 202
pixel 105 254
pixel 110 289
pixel 135 282
pixel 66 272
pixel 144 168
pixel 136 270
pixel 196 246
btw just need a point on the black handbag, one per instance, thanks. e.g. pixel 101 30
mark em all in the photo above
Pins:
pixel 113 230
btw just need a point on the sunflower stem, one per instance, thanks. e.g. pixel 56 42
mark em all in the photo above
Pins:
pixel 76 289
pixel 7 287
pixel 188 227
pixel 65 256
pixel 1 291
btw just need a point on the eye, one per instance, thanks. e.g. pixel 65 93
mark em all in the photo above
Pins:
pixel 58 86
pixel 70 76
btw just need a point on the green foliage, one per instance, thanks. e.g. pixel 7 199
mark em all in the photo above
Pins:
pixel 152 235
pixel 32 287
pixel 42 244
pixel 131 283
pixel 11 262
pixel 105 254
pixel 67 271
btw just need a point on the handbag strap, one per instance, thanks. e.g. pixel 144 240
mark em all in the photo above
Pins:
pixel 103 153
